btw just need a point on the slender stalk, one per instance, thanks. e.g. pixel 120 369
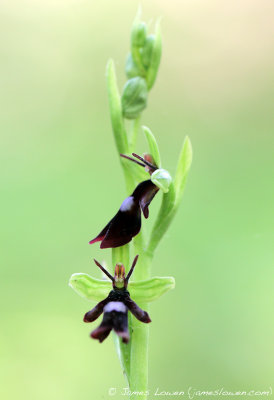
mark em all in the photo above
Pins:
pixel 140 332
pixel 134 355
pixel 133 134
pixel 121 255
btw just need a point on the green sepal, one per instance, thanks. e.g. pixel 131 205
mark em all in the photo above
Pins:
pixel 89 287
pixel 150 289
pixel 153 146
pixel 142 291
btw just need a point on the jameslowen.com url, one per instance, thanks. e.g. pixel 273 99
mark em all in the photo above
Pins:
pixel 192 393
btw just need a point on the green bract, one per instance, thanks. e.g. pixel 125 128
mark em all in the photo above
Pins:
pixel 154 58
pixel 134 97
pixel 116 109
pixel 153 146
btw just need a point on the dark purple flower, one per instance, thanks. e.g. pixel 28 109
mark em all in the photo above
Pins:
pixel 115 307
pixel 127 222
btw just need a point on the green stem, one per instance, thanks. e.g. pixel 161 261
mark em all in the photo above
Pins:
pixel 140 332
pixel 121 255
pixel 134 355
pixel 133 134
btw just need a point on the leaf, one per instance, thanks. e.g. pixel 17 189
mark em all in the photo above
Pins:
pixel 183 167
pixel 163 219
pixel 155 57
pixel 153 146
pixel 89 287
pixel 171 200
pixel 116 109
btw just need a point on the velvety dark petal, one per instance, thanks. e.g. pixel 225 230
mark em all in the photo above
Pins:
pixel 123 227
pixel 127 222
pixel 120 325
pixel 93 314
pixel 116 319
pixel 101 234
pixel 144 194
pixel 101 333
pixel 140 314
pixel 103 329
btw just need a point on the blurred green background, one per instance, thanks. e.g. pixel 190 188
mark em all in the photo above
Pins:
pixel 61 182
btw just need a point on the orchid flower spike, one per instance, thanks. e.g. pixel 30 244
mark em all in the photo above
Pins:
pixel 127 222
pixel 115 307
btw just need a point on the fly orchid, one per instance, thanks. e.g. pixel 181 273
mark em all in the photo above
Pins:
pixel 115 306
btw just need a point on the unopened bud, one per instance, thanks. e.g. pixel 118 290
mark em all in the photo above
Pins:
pixel 131 68
pixel 138 34
pixel 134 97
pixel 147 50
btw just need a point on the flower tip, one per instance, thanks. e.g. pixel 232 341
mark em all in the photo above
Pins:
pixel 97 239
pixel 146 318
pixel 146 211
pixel 85 319
pixel 101 333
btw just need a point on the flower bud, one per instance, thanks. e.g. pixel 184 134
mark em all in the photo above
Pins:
pixel 147 50
pixel 162 179
pixel 138 34
pixel 134 97
pixel 131 68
